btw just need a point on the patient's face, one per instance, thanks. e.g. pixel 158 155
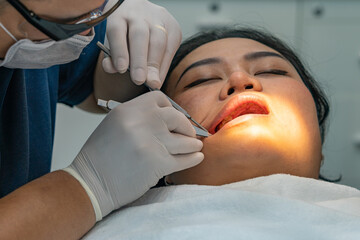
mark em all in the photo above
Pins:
pixel 262 116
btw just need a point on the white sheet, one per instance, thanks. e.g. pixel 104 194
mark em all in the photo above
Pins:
pixel 274 207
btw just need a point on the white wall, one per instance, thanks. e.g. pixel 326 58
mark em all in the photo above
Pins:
pixel 330 41
pixel 325 33
pixel 73 127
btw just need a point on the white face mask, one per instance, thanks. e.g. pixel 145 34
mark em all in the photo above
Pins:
pixel 27 54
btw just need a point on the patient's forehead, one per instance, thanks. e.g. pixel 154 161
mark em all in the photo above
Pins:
pixel 228 46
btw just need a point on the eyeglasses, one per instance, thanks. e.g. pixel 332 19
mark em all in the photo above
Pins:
pixel 60 31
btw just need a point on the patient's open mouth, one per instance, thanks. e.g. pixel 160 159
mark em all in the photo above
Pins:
pixel 239 106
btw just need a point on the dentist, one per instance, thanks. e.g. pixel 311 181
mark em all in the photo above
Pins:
pixel 48 55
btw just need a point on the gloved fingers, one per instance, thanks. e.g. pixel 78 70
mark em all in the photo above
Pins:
pixel 179 144
pixel 174 37
pixel 108 65
pixel 177 122
pixel 157 97
pixel 117 38
pixel 157 46
pixel 139 43
pixel 184 161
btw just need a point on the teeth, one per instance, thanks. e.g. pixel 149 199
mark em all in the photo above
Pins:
pixel 223 122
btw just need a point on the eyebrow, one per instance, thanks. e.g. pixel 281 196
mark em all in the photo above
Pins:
pixel 248 57
pixel 256 55
pixel 206 61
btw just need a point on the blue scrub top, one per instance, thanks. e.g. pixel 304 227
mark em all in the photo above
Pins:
pixel 28 101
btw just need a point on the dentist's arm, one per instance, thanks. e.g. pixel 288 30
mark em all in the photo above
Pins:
pixel 54 206
pixel 137 143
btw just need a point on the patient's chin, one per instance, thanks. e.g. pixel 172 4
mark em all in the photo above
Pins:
pixel 256 138
pixel 232 156
pixel 228 164
pixel 243 141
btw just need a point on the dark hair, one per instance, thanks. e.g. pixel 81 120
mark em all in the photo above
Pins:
pixel 261 36
pixel 264 37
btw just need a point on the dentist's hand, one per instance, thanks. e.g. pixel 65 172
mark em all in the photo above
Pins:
pixel 149 33
pixel 137 143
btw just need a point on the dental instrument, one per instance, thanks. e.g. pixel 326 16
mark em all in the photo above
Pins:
pixel 200 130
pixel 111 104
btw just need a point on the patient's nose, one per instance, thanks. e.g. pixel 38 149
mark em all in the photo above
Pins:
pixel 239 82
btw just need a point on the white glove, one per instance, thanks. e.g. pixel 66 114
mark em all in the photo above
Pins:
pixel 153 36
pixel 137 143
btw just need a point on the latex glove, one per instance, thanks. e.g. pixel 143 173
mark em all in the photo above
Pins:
pixel 149 33
pixel 137 143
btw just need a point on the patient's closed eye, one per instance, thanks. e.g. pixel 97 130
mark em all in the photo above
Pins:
pixel 272 71
pixel 200 81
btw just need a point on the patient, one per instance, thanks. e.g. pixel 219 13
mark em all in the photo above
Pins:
pixel 267 116
pixel 265 111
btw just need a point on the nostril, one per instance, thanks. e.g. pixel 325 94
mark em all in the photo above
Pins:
pixel 249 86
pixel 230 91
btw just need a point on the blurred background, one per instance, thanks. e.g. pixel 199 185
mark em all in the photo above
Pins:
pixel 325 33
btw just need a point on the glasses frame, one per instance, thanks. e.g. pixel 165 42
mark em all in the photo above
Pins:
pixel 59 31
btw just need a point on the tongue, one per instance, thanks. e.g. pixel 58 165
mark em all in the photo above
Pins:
pixel 247 108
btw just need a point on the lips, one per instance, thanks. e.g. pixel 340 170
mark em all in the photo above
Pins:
pixel 238 106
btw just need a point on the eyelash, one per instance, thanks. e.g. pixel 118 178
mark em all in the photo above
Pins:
pixel 272 71
pixel 200 81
